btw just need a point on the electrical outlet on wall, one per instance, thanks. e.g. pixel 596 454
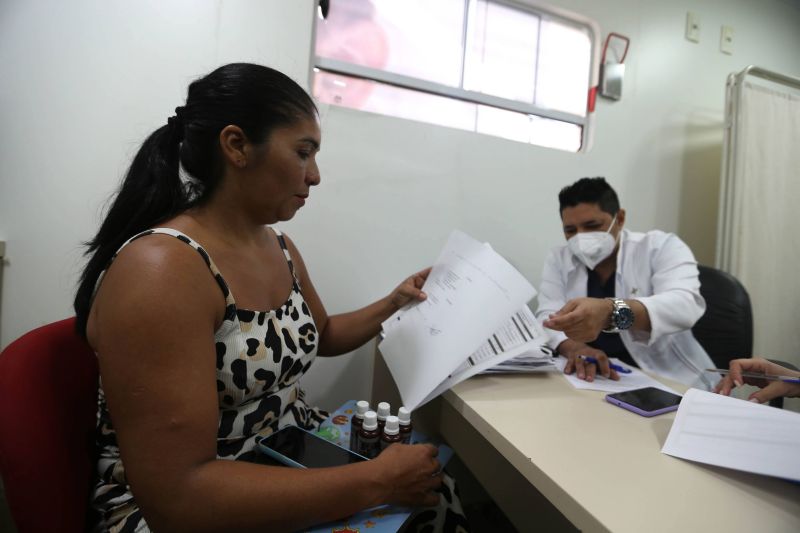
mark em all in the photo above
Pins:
pixel 726 40
pixel 692 27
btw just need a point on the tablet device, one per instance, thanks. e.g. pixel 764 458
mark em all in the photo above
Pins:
pixel 297 447
pixel 648 401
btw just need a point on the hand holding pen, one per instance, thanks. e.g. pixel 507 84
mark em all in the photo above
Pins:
pixel 619 368
pixel 586 369
pixel 773 380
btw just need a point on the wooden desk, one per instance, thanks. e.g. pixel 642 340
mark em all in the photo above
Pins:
pixel 557 459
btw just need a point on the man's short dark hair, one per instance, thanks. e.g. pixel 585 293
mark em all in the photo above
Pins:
pixel 589 191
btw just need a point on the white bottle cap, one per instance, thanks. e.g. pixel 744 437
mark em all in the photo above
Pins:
pixel 404 415
pixel 361 408
pixel 392 425
pixel 370 421
pixel 383 410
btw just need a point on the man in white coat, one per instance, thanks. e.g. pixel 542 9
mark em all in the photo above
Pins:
pixel 610 292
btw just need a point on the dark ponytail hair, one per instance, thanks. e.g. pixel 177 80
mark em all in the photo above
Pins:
pixel 258 99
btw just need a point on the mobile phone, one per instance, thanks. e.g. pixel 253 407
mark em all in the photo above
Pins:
pixel 648 401
pixel 297 447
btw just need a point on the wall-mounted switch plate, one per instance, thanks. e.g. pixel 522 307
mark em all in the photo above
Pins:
pixel 692 27
pixel 726 40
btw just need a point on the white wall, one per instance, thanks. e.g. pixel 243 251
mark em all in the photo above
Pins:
pixel 84 82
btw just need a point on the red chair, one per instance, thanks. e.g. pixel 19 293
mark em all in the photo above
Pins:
pixel 48 404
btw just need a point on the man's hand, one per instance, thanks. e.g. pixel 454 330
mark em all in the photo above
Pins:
pixel 582 319
pixel 573 350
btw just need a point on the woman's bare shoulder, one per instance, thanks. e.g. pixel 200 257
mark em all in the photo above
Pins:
pixel 158 258
pixel 155 276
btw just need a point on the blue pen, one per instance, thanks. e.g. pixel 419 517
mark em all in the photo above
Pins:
pixel 618 368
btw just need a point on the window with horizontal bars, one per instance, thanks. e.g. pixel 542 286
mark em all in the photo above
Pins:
pixel 496 67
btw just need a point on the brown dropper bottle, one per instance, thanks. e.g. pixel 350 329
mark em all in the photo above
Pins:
pixel 404 416
pixel 384 410
pixel 391 432
pixel 356 422
pixel 368 436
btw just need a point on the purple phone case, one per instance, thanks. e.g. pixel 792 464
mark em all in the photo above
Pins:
pixel 638 411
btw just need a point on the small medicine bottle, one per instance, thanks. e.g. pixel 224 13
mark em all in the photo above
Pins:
pixel 356 421
pixel 383 412
pixel 391 432
pixel 404 416
pixel 369 436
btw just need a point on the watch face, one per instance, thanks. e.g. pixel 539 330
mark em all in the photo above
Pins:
pixel 623 318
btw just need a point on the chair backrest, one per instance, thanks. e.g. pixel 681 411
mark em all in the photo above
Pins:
pixel 48 386
pixel 725 331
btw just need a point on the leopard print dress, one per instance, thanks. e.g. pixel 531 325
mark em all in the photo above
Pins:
pixel 260 357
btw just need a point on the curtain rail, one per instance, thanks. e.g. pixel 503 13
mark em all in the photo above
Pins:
pixel 777 77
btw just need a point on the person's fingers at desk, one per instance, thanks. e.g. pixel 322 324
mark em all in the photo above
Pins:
pixel 595 361
pixel 726 385
pixel 569 366
pixel 775 389
pixel 735 379
pixel 590 370
pixel 580 366
pixel 737 366
pixel 604 367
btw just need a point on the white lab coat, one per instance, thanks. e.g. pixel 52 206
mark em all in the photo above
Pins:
pixel 660 271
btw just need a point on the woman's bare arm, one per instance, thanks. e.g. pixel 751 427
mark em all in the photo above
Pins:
pixel 345 332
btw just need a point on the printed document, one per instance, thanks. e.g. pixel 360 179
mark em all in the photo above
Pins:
pixel 732 433
pixel 472 293
pixel 521 336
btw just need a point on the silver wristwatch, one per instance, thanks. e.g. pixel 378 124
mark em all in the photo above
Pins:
pixel 621 316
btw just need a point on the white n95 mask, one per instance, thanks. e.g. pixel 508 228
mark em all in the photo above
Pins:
pixel 593 246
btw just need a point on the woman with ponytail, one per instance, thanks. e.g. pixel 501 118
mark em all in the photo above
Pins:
pixel 204 318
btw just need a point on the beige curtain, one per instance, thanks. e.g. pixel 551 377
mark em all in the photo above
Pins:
pixel 764 215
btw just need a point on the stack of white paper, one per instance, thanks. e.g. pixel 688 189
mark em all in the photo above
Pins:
pixel 723 431
pixel 473 295
pixel 523 334
pixel 525 364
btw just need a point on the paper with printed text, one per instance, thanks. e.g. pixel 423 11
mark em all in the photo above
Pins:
pixel 472 293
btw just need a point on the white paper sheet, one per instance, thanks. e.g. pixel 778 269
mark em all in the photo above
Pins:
pixel 472 292
pixel 729 432
pixel 635 380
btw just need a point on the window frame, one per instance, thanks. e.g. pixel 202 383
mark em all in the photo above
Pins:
pixel 544 12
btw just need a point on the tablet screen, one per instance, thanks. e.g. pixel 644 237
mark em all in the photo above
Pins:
pixel 308 449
